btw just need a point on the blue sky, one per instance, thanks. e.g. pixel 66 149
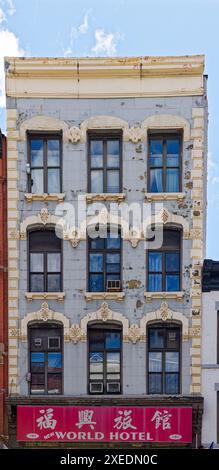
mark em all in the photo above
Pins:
pixel 122 27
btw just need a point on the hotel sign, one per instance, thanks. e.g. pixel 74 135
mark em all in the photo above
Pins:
pixel 106 424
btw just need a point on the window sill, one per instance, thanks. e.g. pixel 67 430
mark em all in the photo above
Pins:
pixel 45 296
pixel 30 197
pixel 149 296
pixel 118 296
pixel 96 197
pixel 164 196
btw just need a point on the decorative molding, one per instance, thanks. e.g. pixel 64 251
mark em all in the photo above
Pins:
pixel 101 122
pixel 167 217
pixel 134 333
pixel 43 217
pixel 98 197
pixel 164 295
pixel 59 296
pixel 43 123
pixel 74 134
pixel 150 197
pixel 44 314
pixel 76 334
pixel 134 134
pixel 167 121
pixel 105 314
pixel 118 296
pixel 164 313
pixel 59 197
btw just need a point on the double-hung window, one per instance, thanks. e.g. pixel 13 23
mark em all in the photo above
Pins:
pixel 164 163
pixel 45 163
pixel 104 163
pixel 104 263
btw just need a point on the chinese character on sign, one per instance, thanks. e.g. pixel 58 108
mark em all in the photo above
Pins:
pixel 85 417
pixel 162 419
pixel 45 421
pixel 124 421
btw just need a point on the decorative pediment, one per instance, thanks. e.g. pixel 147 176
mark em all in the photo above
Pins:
pixel 163 314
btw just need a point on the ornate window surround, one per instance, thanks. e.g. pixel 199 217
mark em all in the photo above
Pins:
pixel 164 313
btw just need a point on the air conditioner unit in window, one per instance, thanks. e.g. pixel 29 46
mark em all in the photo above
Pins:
pixel 113 387
pixel 96 387
pixel 54 342
pixel 113 285
pixel 38 342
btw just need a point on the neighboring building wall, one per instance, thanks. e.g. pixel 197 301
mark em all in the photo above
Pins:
pixel 3 290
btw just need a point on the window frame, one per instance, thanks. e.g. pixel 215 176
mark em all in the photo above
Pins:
pixel 104 251
pixel 45 136
pixel 164 135
pixel 112 327
pixel 40 326
pixel 105 136
pixel 164 251
pixel 45 273
pixel 168 326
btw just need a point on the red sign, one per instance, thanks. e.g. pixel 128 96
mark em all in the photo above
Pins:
pixel 106 424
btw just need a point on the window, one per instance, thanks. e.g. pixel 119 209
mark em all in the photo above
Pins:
pixel 45 164
pixel 164 359
pixel 104 163
pixel 44 261
pixel 164 264
pixel 164 163
pixel 45 359
pixel 217 337
pixel 104 263
pixel 104 359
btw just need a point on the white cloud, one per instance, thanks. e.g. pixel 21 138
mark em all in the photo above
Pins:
pixel 2 16
pixel 9 46
pixel 105 43
pixel 11 7
pixel 83 28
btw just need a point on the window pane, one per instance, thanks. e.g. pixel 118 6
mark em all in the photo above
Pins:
pixel 53 180
pixel 113 243
pixel 155 383
pixel 172 362
pixel 113 153
pixel 113 262
pixel 36 153
pixel 113 181
pixel 37 181
pixel 173 337
pixel 156 338
pixel 36 262
pixel 172 183
pixel 96 376
pixel 172 383
pixel 36 283
pixel 96 362
pixel 155 282
pixel 54 361
pixel 96 149
pixel 37 362
pixel 97 243
pixel 113 340
pixel 172 283
pixel 96 340
pixel 173 150
pixel 113 362
pixel 156 181
pixel 96 283
pixel 155 261
pixel 172 262
pixel 53 262
pixel 96 263
pixel 156 153
pixel 54 282
pixel 97 181
pixel 155 362
pixel 37 383
pixel 53 152
pixel 54 383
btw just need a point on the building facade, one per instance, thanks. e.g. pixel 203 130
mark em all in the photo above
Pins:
pixel 210 353
pixel 3 292
pixel 112 322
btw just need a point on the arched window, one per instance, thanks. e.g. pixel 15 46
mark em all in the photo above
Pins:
pixel 163 264
pixel 104 359
pixel 46 361
pixel 44 261
pixel 163 363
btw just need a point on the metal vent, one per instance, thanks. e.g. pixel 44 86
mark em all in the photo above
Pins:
pixel 54 342
pixel 96 387
pixel 113 285
pixel 113 387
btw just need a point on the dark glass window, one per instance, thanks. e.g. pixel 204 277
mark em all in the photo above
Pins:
pixel 105 164
pixel 164 360
pixel 104 263
pixel 164 163
pixel 104 360
pixel 44 261
pixel 164 264
pixel 45 360
pixel 45 164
